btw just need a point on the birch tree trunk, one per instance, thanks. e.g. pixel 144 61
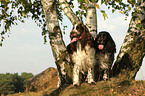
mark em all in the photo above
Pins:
pixel 58 47
pixel 132 51
pixel 91 19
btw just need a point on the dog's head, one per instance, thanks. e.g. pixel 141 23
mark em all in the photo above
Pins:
pixel 102 39
pixel 77 31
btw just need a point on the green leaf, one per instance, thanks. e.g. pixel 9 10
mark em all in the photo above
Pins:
pixel 23 21
pixel 86 1
pixel 3 37
pixel 45 40
pixel 106 1
pixel 102 11
pixel 65 26
pixel 129 8
pixel 113 10
pixel 1 44
pixel 64 32
pixel 105 16
pixel 102 1
pixel 138 25
pixel 85 14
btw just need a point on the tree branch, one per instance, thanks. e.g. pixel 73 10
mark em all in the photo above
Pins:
pixel 68 12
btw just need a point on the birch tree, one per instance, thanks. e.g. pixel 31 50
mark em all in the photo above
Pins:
pixel 132 52
pixel 48 13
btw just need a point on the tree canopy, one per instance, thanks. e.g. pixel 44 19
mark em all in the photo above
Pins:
pixel 13 83
pixel 12 11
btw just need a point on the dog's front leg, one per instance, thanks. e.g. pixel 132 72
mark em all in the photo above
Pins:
pixel 106 75
pixel 90 76
pixel 76 75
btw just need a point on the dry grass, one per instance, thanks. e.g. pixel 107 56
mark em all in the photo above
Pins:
pixel 102 88
pixel 109 88
pixel 114 87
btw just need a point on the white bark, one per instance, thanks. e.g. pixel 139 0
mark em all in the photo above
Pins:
pixel 134 29
pixel 142 10
pixel 68 12
pixel 50 14
pixel 55 36
pixel 132 51
pixel 91 19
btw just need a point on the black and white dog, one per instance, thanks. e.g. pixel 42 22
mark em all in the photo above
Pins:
pixel 82 52
pixel 105 49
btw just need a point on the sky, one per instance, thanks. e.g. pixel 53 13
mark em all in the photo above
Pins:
pixel 24 50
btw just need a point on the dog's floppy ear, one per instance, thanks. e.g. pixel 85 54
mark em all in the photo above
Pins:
pixel 111 47
pixel 73 34
pixel 80 27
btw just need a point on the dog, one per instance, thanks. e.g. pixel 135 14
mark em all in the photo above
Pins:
pixel 82 52
pixel 105 50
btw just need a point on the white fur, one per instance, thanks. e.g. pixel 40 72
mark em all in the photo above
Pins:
pixel 84 60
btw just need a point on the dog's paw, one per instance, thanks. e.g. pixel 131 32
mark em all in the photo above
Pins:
pixel 93 83
pixel 106 79
pixel 76 85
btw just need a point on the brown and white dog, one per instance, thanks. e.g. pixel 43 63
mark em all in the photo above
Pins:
pixel 105 49
pixel 82 53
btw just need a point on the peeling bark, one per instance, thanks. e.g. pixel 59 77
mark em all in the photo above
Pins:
pixel 132 51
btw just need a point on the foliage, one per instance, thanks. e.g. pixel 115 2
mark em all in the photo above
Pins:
pixel 13 83
pixel 26 76
pixel 12 11
pixel 116 86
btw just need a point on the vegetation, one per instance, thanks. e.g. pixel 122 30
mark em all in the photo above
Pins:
pixel 13 83
pixel 114 87
pixel 48 13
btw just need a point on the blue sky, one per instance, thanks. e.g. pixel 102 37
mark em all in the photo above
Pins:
pixel 24 50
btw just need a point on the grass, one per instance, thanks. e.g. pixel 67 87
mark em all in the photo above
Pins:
pixel 114 87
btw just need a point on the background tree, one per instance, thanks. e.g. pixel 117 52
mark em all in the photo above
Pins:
pixel 131 53
pixel 13 83
pixel 6 84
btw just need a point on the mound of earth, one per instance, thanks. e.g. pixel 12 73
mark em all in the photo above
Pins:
pixel 46 79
